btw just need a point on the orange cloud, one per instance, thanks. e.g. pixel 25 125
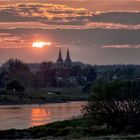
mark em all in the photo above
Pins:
pixel 33 11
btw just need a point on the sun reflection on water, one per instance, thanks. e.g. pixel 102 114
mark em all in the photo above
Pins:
pixel 40 116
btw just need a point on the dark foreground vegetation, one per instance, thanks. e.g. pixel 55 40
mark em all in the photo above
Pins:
pixel 74 127
pixel 116 105
pixel 69 129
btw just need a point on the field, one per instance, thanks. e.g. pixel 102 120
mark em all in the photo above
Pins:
pixel 40 96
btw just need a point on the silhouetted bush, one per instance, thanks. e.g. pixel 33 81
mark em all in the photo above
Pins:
pixel 115 104
pixel 3 91
pixel 15 86
pixel 58 93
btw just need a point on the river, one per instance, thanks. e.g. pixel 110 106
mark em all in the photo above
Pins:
pixel 25 116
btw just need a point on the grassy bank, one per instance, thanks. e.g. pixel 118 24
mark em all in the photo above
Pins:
pixel 69 129
pixel 75 128
pixel 40 96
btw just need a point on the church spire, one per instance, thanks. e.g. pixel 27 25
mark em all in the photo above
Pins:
pixel 68 56
pixel 60 56
pixel 68 60
pixel 60 62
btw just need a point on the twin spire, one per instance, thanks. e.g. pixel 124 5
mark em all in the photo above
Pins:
pixel 60 56
pixel 67 56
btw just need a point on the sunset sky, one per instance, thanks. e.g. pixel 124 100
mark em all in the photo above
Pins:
pixel 95 31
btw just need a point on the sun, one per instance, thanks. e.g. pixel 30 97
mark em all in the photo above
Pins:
pixel 40 44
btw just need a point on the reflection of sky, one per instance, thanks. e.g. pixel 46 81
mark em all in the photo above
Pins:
pixel 32 115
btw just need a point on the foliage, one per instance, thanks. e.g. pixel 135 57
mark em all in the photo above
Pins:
pixel 92 75
pixel 45 75
pixel 111 72
pixel 15 69
pixel 13 65
pixel 115 104
pixel 15 86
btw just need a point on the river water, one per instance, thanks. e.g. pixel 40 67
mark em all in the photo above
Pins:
pixel 25 116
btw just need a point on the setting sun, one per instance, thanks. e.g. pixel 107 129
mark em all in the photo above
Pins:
pixel 39 44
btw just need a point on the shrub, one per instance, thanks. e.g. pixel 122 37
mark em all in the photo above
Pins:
pixel 115 104
pixel 15 86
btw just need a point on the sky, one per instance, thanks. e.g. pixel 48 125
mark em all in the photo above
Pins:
pixel 95 31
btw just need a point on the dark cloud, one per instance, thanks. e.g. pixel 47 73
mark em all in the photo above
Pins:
pixel 39 12
pixel 118 17
pixel 55 14
pixel 82 37
pixel 100 46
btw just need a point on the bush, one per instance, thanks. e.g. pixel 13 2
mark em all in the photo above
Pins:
pixel 15 86
pixel 115 104
pixel 2 91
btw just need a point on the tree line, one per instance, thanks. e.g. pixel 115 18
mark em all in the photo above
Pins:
pixel 16 72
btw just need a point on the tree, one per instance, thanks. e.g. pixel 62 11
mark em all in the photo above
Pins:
pixel 15 86
pixel 47 73
pixel 16 69
pixel 76 71
pixel 115 104
pixel 46 66
pixel 92 75
pixel 36 81
pixel 14 65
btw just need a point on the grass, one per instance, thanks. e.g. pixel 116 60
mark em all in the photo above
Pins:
pixel 68 128
pixel 58 129
pixel 40 96
pixel 75 129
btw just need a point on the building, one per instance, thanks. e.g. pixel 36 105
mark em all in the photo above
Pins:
pixel 63 68
pixel 61 64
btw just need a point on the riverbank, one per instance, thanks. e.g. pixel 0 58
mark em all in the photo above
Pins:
pixel 42 96
pixel 75 129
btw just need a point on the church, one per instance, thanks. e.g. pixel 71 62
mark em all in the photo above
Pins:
pixel 63 68
pixel 63 64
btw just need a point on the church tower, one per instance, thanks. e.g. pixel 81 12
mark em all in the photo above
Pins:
pixel 60 60
pixel 68 60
